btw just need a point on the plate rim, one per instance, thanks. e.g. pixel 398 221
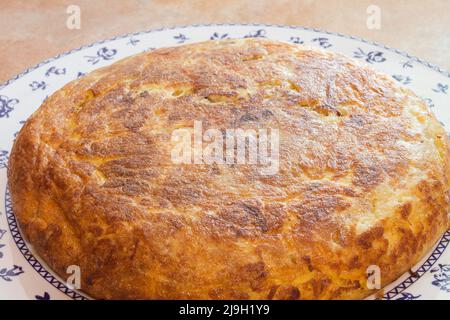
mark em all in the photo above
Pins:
pixel 392 293
pixel 292 27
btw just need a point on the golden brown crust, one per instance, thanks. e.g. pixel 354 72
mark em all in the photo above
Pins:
pixel 363 176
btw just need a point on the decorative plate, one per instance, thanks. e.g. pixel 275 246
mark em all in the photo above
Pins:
pixel 24 276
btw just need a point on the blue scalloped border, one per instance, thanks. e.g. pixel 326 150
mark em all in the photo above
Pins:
pixel 18 239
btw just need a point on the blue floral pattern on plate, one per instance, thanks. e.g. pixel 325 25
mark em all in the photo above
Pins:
pixel 441 88
pixel 102 54
pixel 7 106
pixel 370 57
pixel 408 296
pixel 441 276
pixel 181 38
pixel 323 42
pixel 45 296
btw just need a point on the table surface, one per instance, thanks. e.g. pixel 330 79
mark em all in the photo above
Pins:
pixel 34 30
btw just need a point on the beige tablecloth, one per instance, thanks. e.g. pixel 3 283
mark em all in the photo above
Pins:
pixel 33 30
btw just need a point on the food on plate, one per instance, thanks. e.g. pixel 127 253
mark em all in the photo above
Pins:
pixel 360 182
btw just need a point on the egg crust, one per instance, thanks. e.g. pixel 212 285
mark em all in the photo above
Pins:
pixel 363 176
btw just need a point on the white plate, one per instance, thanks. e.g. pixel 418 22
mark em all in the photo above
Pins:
pixel 23 276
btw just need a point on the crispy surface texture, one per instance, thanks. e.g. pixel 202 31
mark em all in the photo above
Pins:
pixel 363 179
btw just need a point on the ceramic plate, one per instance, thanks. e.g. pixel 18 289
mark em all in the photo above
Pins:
pixel 24 276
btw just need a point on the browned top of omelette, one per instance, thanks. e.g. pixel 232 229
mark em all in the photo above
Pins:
pixel 363 176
